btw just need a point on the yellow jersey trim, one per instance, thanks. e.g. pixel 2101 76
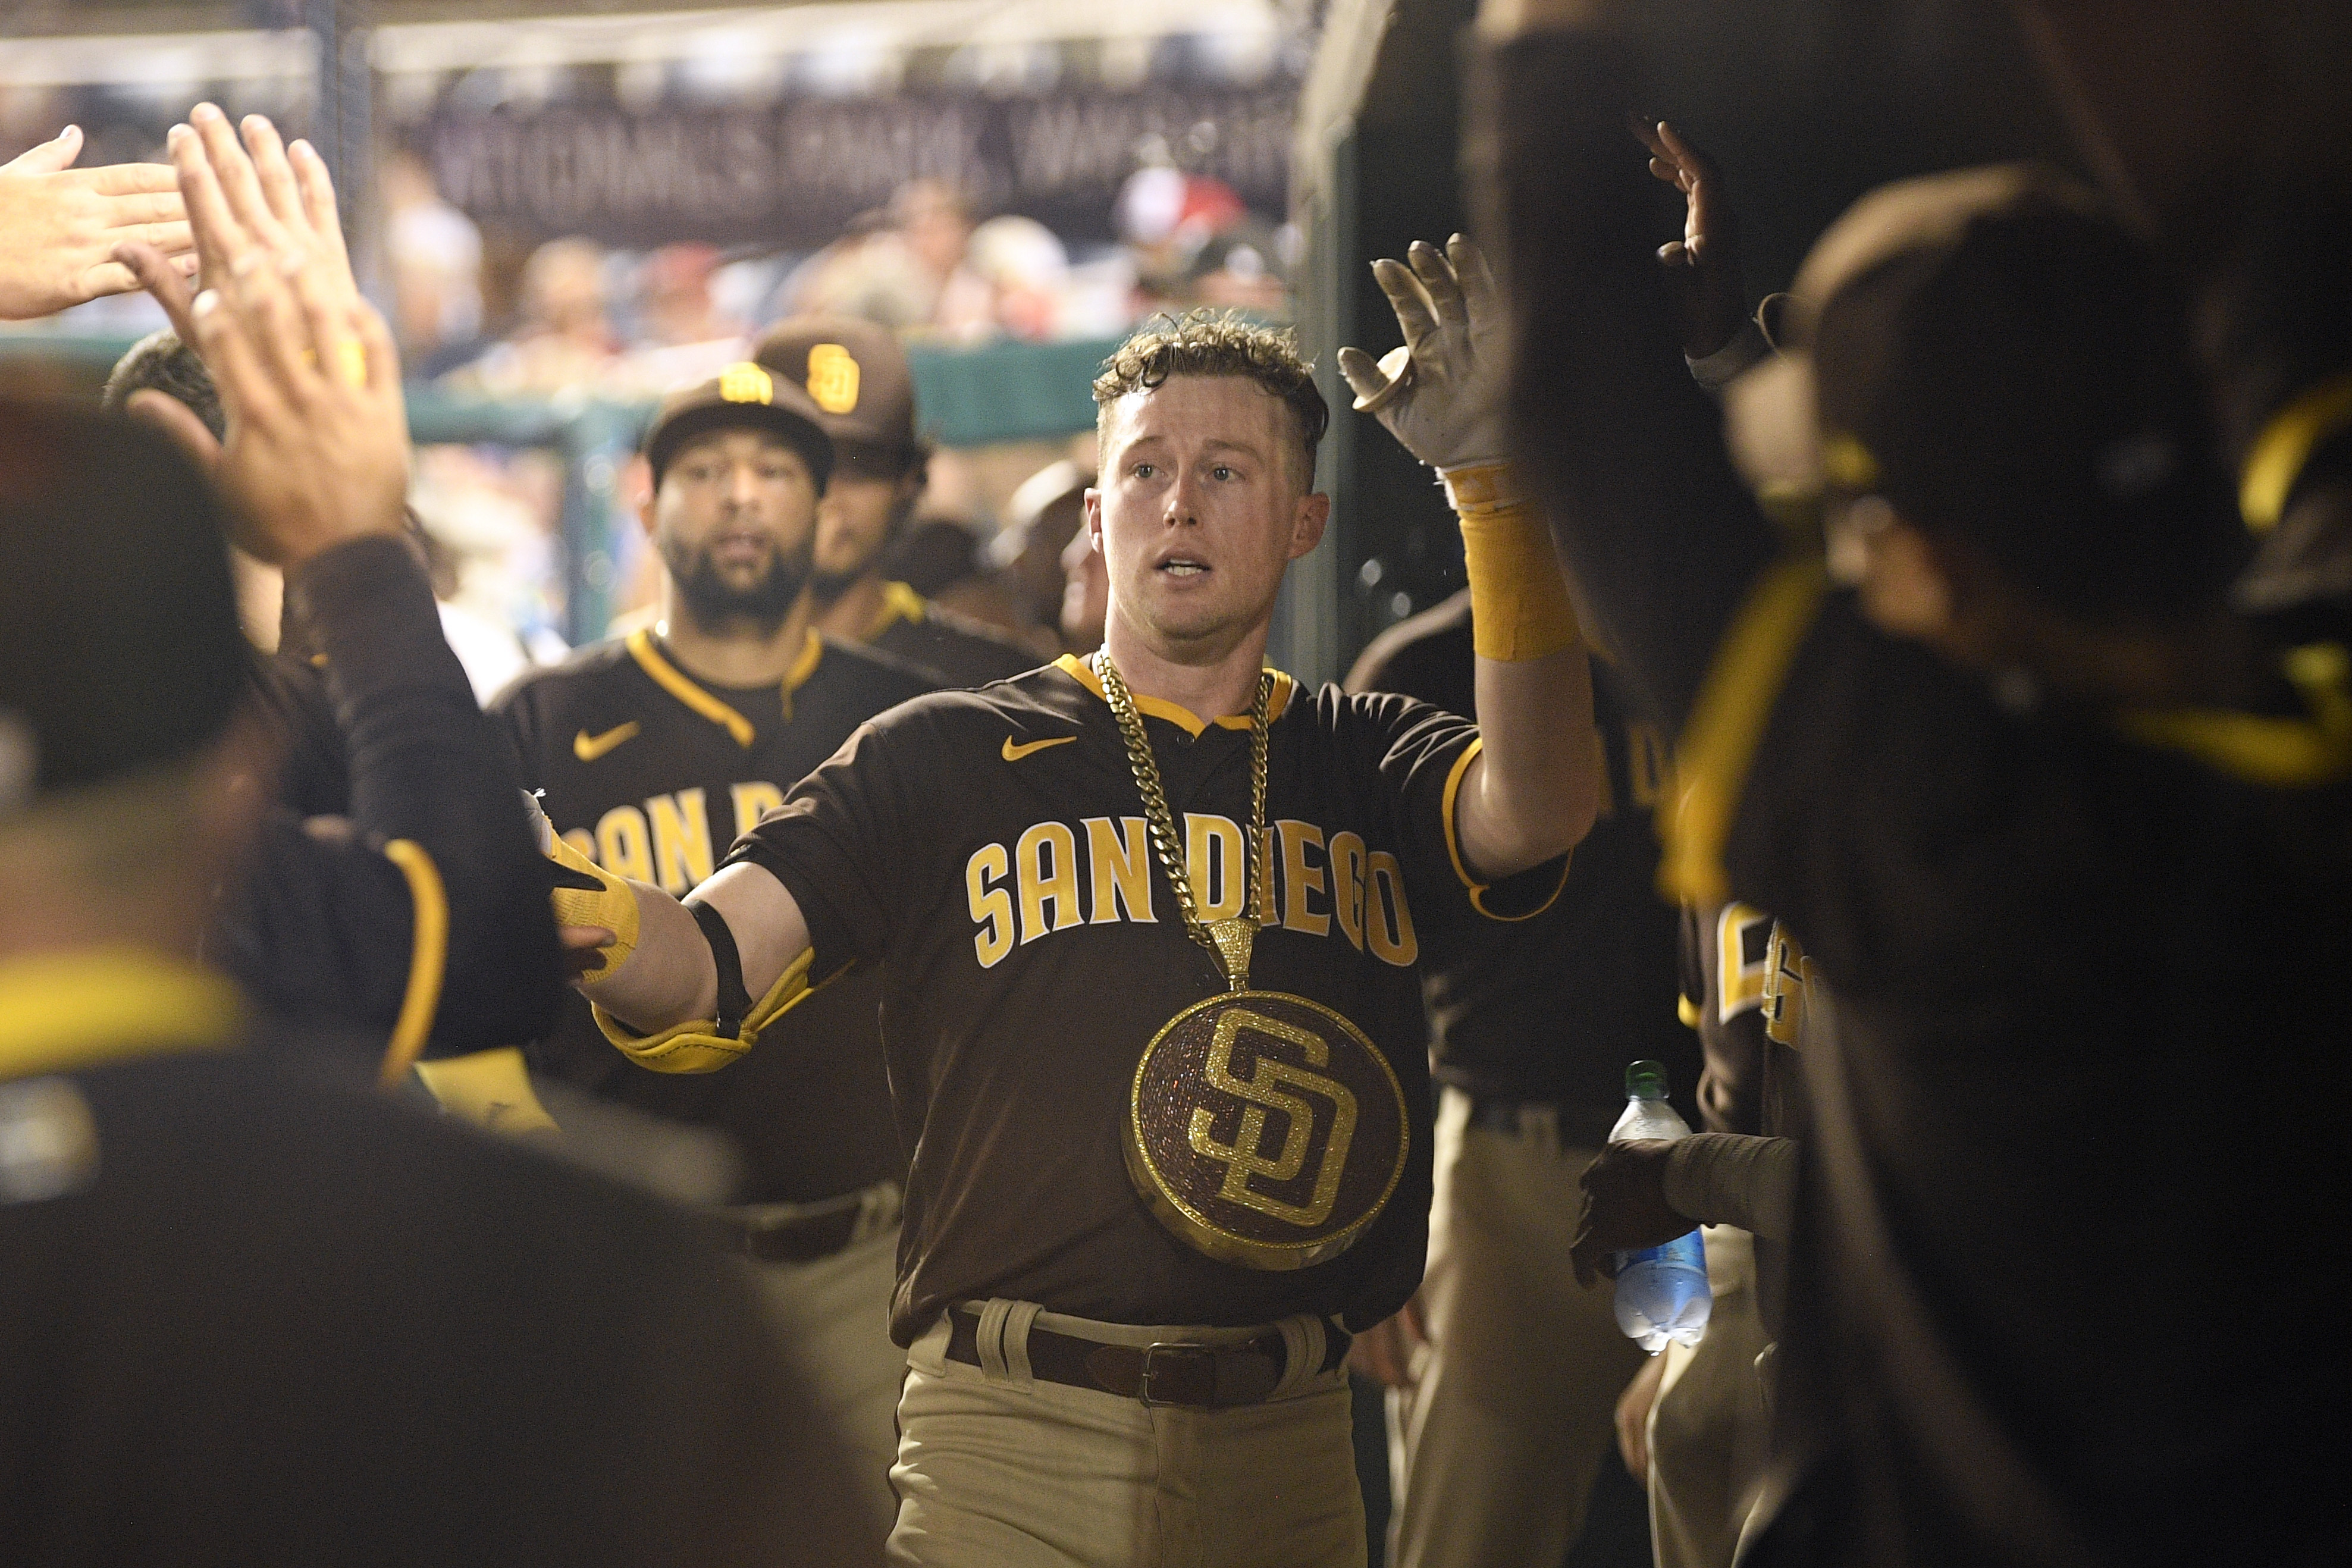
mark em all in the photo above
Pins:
pixel 489 1089
pixel 428 960
pixel 61 1012
pixel 2289 753
pixel 678 684
pixel 1478 889
pixel 1183 717
pixel 1727 724
pixel 899 602
pixel 2276 459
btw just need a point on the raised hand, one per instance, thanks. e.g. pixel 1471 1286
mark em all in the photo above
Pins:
pixel 1442 393
pixel 60 226
pixel 317 451
pixel 1705 261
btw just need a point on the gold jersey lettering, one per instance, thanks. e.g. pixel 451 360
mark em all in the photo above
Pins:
pixel 1047 860
pixel 1120 857
pixel 1787 979
pixel 753 800
pixel 1346 858
pixel 1263 1091
pixel 681 839
pixel 991 907
pixel 1299 878
pixel 1212 859
pixel 1743 958
pixel 1388 920
pixel 623 846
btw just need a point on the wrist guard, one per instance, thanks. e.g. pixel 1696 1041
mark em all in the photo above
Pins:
pixel 1519 607
pixel 704 1045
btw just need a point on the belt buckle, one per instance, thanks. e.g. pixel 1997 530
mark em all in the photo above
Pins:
pixel 1180 1354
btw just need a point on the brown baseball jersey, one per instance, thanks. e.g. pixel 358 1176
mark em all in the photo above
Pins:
pixel 653 773
pixel 956 648
pixel 988 851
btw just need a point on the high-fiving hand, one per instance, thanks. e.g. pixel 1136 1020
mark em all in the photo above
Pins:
pixel 317 450
pixel 1443 394
pixel 1706 259
pixel 60 226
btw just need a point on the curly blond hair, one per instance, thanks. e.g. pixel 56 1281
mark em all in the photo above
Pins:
pixel 1205 342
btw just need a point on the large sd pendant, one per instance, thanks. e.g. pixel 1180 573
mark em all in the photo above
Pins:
pixel 1265 1129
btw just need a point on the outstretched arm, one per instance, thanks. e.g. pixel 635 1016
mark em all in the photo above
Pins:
pixel 1622 450
pixel 1534 788
pixel 430 922
pixel 60 226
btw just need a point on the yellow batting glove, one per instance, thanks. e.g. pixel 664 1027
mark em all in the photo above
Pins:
pixel 585 894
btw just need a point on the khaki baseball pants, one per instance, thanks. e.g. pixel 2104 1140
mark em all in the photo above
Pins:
pixel 1495 1448
pixel 1708 1429
pixel 999 1469
pixel 832 1317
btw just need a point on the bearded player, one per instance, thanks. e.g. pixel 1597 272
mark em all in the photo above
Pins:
pixel 1166 1095
pixel 649 749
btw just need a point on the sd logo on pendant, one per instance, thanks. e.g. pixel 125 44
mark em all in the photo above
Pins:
pixel 1265 1129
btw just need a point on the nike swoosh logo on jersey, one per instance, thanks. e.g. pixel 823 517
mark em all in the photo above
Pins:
pixel 588 747
pixel 1013 753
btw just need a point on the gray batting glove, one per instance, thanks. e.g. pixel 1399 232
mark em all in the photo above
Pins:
pixel 1442 393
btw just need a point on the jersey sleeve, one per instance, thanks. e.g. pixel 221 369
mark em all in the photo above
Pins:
pixel 846 841
pixel 1421 756
pixel 438 846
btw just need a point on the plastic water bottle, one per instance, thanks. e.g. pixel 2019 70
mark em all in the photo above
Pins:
pixel 1662 1291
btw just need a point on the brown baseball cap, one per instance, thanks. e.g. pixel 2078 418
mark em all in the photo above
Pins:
pixel 855 375
pixel 1996 354
pixel 743 395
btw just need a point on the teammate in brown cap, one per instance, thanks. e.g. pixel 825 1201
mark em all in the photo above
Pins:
pixel 1149 925
pixel 655 750
pixel 855 375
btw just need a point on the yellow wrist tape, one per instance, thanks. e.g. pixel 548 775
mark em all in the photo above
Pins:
pixel 696 1046
pixel 1519 607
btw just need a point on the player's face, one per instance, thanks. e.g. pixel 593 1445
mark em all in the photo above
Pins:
pixel 855 522
pixel 1200 512
pixel 735 519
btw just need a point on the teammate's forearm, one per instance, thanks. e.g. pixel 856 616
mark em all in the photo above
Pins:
pixel 667 978
pixel 1535 787
pixel 1623 452
pixel 428 767
pixel 1727 1178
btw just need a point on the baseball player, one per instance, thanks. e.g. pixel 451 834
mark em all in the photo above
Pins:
pixel 652 754
pixel 1508 1371
pixel 395 898
pixel 855 375
pixel 2060 834
pixel 1149 926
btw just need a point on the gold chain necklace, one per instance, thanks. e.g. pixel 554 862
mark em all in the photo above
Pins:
pixel 1228 940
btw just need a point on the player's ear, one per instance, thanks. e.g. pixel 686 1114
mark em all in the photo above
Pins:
pixel 637 488
pixel 1307 522
pixel 1092 520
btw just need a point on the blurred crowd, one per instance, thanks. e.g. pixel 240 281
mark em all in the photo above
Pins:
pixel 570 313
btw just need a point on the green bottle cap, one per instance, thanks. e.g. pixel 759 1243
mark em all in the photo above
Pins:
pixel 1646 1080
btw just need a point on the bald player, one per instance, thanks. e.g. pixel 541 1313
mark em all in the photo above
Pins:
pixel 1149 926
pixel 654 750
pixel 855 375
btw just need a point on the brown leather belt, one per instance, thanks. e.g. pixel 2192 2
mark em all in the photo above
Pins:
pixel 1204 1377
pixel 804 1232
